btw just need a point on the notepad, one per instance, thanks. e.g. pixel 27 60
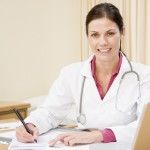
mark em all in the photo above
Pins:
pixel 28 146
pixel 8 126
pixel 42 143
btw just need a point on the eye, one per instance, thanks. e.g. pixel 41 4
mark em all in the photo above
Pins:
pixel 110 33
pixel 95 35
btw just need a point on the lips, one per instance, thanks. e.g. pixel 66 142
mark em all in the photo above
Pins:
pixel 106 50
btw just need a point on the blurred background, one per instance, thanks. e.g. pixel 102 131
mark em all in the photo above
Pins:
pixel 39 37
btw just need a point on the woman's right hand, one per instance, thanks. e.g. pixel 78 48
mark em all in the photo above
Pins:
pixel 25 137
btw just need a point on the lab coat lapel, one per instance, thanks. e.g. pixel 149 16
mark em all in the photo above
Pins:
pixel 114 87
pixel 90 89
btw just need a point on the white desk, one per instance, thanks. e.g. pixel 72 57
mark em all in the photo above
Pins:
pixel 111 146
pixel 101 146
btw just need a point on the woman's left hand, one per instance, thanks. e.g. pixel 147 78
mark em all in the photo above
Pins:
pixel 82 137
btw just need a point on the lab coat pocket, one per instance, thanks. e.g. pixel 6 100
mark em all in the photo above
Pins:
pixel 130 110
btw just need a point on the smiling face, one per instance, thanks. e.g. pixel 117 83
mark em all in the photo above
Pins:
pixel 104 39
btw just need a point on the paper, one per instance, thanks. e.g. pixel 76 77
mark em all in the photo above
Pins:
pixel 34 146
pixel 8 134
pixel 42 143
pixel 8 126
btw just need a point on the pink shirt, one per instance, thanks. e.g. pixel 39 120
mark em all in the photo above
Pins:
pixel 108 135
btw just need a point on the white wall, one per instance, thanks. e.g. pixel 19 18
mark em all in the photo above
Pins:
pixel 37 38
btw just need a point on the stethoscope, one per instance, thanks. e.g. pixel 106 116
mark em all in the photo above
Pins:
pixel 82 117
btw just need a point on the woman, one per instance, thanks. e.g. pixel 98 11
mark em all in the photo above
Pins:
pixel 94 86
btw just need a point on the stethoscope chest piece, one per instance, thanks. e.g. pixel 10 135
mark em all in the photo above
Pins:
pixel 81 119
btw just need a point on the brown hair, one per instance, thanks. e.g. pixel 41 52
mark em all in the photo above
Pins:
pixel 107 10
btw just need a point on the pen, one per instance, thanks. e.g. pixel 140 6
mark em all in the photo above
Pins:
pixel 24 124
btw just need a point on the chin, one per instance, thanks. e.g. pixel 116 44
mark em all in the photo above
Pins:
pixel 104 58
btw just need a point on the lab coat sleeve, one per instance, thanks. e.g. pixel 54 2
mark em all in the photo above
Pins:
pixel 56 106
pixel 127 132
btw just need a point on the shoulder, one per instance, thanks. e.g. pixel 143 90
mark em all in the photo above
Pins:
pixel 78 67
pixel 142 69
pixel 71 72
pixel 72 68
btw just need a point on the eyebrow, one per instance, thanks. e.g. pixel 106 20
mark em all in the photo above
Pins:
pixel 111 30
pixel 105 31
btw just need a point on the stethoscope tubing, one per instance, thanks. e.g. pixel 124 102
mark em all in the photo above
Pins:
pixel 82 118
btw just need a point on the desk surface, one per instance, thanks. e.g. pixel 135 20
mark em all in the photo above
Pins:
pixel 5 106
pixel 6 109
pixel 3 146
pixel 112 146
pixel 108 146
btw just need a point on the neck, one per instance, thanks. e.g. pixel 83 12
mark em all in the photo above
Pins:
pixel 106 68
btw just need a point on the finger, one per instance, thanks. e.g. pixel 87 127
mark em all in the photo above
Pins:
pixel 52 142
pixel 61 137
pixel 35 133
pixel 28 138
pixel 67 139
pixel 73 142
pixel 23 136
pixel 34 130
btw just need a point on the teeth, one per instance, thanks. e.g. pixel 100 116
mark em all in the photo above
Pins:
pixel 103 50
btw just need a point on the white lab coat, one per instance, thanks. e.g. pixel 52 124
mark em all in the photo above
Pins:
pixel 99 113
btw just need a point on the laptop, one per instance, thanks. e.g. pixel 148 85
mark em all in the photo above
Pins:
pixel 142 137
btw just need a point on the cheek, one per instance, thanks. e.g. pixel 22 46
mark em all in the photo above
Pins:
pixel 92 43
pixel 115 42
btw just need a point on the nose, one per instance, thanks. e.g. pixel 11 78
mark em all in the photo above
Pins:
pixel 102 41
